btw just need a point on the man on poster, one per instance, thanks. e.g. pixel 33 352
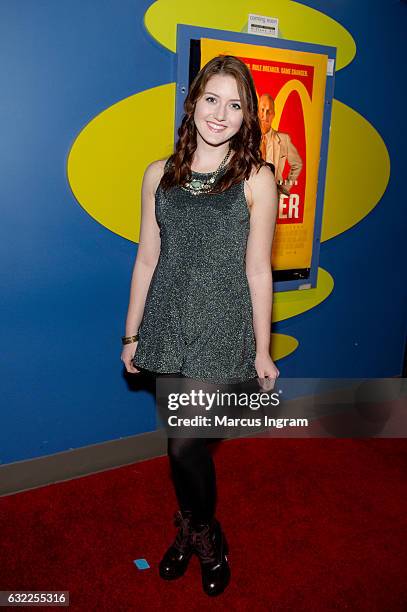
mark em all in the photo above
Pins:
pixel 276 147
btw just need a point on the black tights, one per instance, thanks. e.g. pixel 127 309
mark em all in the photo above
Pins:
pixel 193 470
pixel 193 475
pixel 191 462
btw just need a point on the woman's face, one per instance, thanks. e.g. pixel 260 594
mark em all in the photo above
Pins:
pixel 218 112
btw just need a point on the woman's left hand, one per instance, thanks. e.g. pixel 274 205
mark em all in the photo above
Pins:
pixel 266 371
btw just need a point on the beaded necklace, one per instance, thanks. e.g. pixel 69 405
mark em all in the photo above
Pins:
pixel 197 186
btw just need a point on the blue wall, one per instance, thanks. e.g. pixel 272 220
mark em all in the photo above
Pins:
pixel 65 278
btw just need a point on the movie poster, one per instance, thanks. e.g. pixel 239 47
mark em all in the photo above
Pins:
pixel 291 90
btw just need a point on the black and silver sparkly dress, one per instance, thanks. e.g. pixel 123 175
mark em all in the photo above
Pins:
pixel 198 316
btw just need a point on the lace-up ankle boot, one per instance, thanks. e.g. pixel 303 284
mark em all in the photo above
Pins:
pixel 210 545
pixel 175 561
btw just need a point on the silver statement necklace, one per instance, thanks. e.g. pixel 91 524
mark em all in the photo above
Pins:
pixel 197 185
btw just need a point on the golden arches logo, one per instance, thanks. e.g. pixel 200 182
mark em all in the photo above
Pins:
pixel 313 138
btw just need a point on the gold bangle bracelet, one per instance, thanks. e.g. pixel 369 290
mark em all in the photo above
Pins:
pixel 130 339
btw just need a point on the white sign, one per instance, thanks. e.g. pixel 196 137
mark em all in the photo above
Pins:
pixel 262 25
pixel 330 67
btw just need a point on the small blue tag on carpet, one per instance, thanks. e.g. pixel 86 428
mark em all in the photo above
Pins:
pixel 141 564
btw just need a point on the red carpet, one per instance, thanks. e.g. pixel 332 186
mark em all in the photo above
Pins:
pixel 312 524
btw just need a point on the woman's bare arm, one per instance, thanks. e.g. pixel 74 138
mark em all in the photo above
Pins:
pixel 263 196
pixel 148 249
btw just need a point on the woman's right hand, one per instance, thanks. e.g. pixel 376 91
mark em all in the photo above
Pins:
pixel 128 352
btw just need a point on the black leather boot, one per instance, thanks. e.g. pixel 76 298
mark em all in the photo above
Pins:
pixel 175 561
pixel 210 545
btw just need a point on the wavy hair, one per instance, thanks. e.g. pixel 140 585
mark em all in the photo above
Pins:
pixel 245 143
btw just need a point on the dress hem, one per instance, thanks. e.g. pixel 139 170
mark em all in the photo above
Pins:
pixel 213 380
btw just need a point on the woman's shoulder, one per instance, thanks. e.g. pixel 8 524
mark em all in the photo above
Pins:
pixel 157 167
pixel 260 176
pixel 260 181
pixel 154 172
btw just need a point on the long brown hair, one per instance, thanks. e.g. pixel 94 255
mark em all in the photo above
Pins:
pixel 245 143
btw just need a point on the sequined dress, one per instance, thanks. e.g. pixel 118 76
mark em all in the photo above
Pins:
pixel 198 316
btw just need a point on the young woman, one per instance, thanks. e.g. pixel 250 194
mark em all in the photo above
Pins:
pixel 201 291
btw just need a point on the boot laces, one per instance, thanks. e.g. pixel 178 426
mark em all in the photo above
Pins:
pixel 204 545
pixel 182 540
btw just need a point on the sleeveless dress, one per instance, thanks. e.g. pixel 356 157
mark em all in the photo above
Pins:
pixel 198 316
